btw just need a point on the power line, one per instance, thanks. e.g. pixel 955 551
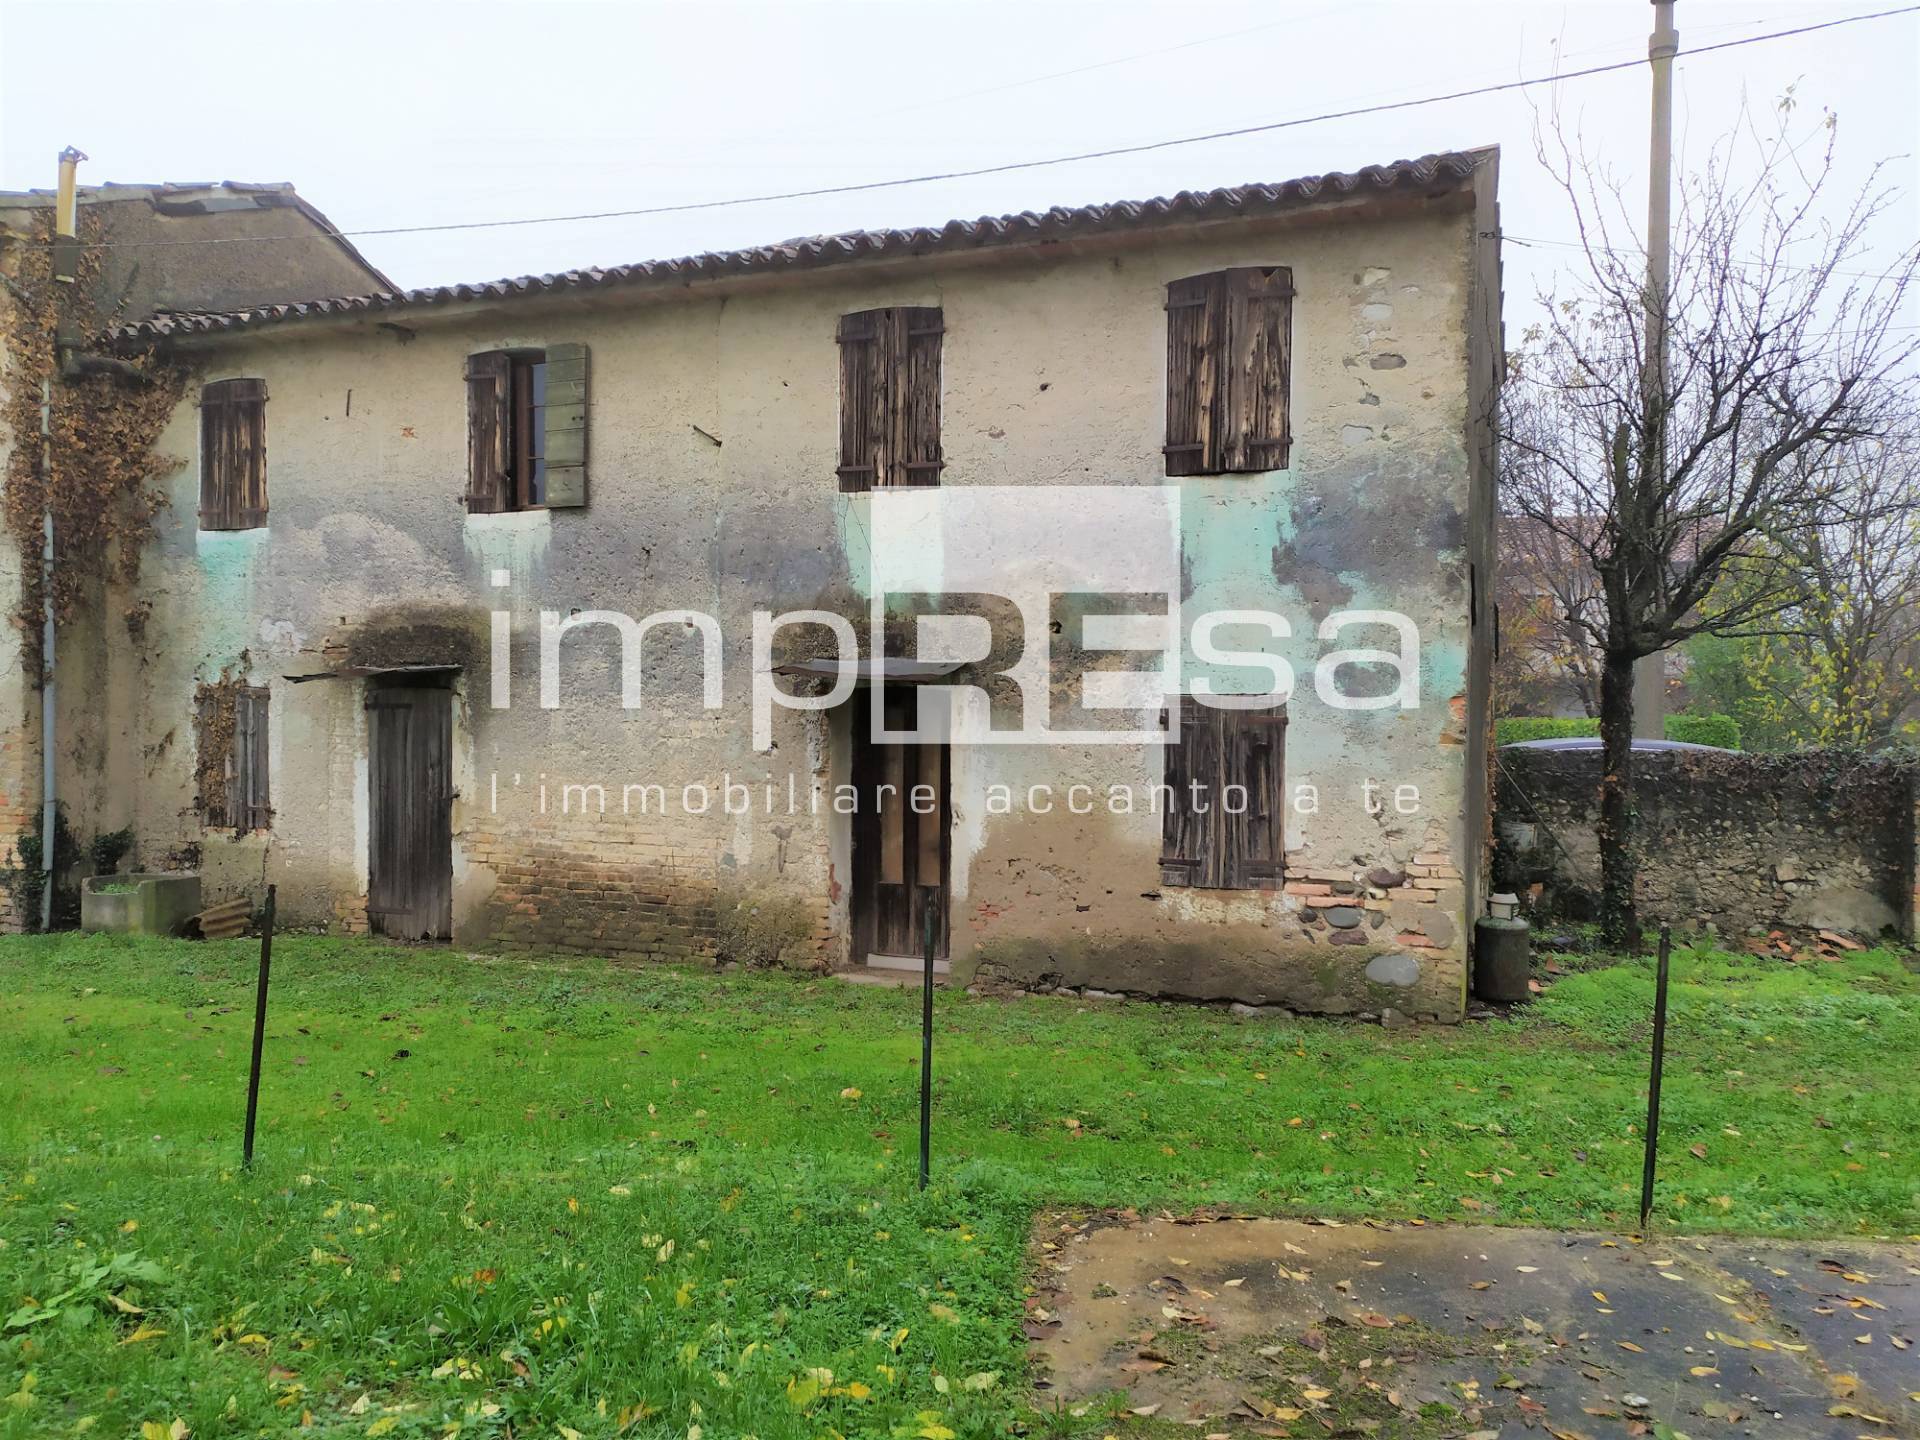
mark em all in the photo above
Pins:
pixel 1010 166
pixel 734 142
pixel 1109 64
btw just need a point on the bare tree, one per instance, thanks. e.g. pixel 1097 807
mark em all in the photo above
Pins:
pixel 1854 636
pixel 1660 476
pixel 1547 595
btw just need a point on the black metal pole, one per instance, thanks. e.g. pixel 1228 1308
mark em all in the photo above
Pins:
pixel 930 904
pixel 259 1025
pixel 1653 1083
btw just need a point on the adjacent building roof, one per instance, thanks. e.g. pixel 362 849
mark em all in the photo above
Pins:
pixel 157 260
pixel 1431 175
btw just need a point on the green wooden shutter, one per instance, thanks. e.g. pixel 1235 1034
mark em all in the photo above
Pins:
pixel 566 426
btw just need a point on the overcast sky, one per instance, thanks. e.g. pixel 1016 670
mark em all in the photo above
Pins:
pixel 407 113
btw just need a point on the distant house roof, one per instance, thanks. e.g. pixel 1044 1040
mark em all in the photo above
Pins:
pixel 1429 177
pixel 157 261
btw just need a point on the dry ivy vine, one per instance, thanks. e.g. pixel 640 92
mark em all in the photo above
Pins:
pixel 214 718
pixel 105 487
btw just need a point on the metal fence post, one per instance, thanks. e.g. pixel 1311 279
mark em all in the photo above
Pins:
pixel 1653 1083
pixel 259 1025
pixel 929 900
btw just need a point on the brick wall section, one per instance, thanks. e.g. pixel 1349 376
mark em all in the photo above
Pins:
pixel 614 891
pixel 1737 842
pixel 1415 907
pixel 350 915
pixel 19 790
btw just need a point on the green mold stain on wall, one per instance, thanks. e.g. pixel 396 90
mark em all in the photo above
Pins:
pixel 853 521
pixel 1229 529
pixel 227 561
pixel 516 543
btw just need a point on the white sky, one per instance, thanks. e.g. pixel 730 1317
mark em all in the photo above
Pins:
pixel 417 113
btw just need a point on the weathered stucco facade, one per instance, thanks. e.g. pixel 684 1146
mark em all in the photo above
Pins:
pixel 714 423
pixel 156 257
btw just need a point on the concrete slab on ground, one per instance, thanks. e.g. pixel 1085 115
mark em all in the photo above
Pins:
pixel 1300 1328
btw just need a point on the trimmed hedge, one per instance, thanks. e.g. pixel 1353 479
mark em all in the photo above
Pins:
pixel 1722 731
pixel 1516 728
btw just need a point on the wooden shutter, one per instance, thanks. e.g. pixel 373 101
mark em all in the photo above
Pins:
pixel 1229 371
pixel 489 430
pixel 916 396
pixel 1212 848
pixel 248 803
pixel 1187 849
pixel 233 455
pixel 890 397
pixel 1253 751
pixel 1196 330
pixel 566 425
pixel 1259 364
pixel 863 399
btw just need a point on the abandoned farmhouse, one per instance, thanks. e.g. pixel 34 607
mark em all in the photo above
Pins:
pixel 336 685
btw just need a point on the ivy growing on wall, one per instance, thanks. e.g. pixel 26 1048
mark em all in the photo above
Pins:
pixel 106 417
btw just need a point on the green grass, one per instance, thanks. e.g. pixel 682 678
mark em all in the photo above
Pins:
pixel 526 1198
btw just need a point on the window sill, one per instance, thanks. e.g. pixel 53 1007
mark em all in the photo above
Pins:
pixel 533 516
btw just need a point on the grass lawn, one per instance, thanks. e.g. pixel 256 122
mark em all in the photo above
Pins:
pixel 556 1197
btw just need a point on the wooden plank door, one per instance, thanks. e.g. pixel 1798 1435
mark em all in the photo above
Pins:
pixel 898 852
pixel 410 790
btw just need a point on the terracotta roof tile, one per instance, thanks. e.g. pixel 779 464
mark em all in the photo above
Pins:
pixel 1442 172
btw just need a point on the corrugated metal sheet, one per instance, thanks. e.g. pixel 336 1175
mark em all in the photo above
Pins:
pixel 1437 174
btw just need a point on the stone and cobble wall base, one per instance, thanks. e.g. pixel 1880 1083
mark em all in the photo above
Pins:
pixel 1728 841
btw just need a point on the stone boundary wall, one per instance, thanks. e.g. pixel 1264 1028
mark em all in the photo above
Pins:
pixel 1729 841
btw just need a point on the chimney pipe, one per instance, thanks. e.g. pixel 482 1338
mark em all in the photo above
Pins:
pixel 66 219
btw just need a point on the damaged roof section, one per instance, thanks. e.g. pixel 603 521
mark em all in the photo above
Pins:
pixel 166 246
pixel 1429 177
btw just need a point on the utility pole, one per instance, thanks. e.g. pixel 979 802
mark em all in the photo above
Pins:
pixel 65 268
pixel 1649 672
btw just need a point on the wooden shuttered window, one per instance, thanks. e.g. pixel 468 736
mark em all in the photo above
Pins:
pixel 489 431
pixel 1223 825
pixel 527 429
pixel 1229 371
pixel 233 455
pixel 890 397
pixel 233 758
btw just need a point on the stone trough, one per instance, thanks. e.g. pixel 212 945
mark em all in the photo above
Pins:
pixel 142 903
